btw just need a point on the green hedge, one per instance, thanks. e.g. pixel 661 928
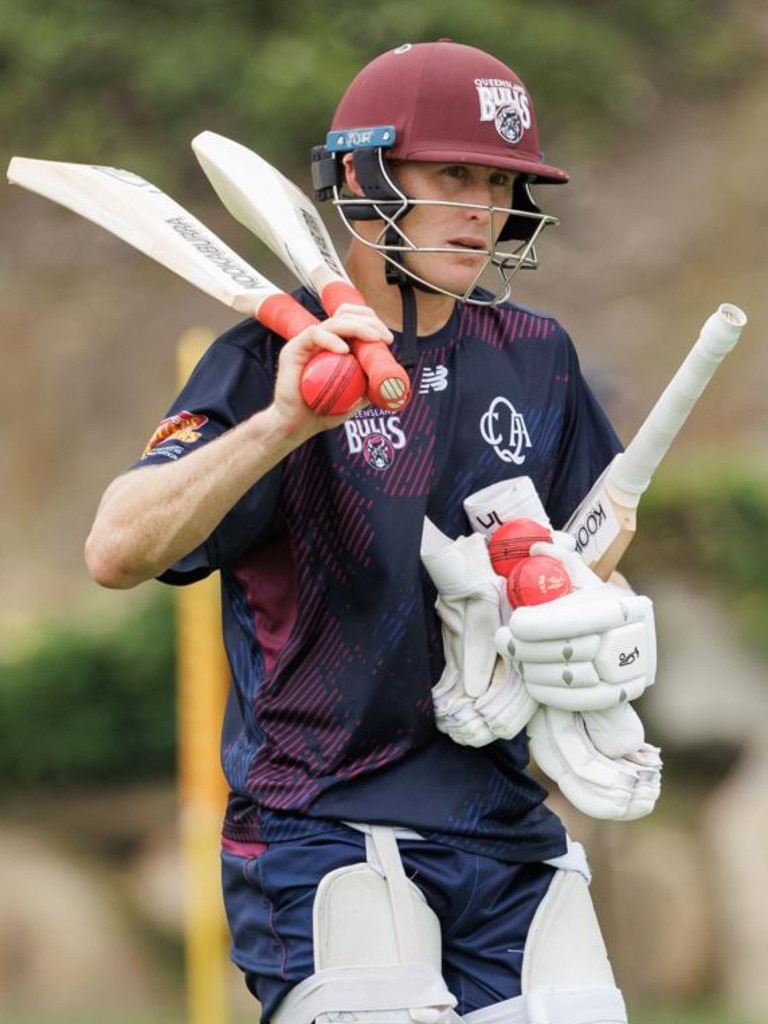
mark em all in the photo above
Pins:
pixel 84 708
pixel 134 82
pixel 710 522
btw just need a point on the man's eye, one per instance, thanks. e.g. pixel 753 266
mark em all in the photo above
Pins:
pixel 501 180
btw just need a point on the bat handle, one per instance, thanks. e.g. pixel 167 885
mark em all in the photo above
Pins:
pixel 283 315
pixel 388 384
pixel 634 468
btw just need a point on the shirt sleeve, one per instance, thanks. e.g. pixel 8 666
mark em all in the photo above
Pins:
pixel 233 380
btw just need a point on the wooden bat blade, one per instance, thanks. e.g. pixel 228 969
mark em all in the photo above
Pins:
pixel 142 215
pixel 271 206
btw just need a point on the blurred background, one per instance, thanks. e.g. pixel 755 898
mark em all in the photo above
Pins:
pixel 659 110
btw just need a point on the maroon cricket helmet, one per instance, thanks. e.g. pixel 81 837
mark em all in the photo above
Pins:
pixel 448 102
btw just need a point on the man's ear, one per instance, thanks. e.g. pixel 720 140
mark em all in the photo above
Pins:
pixel 350 175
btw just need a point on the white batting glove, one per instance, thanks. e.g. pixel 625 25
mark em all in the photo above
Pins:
pixel 479 696
pixel 500 713
pixel 595 648
pixel 468 603
pixel 621 788
pixel 616 731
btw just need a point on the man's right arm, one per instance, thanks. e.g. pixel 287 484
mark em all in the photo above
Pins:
pixel 151 517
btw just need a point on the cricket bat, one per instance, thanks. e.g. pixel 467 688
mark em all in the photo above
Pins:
pixel 281 215
pixel 605 522
pixel 141 214
pixel 145 217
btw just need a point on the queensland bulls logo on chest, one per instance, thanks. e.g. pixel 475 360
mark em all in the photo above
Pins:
pixel 378 451
pixel 375 436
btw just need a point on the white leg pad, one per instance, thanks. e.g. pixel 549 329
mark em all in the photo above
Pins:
pixel 566 975
pixel 377 950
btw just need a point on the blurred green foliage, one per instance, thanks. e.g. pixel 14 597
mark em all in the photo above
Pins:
pixel 710 523
pixel 107 81
pixel 92 708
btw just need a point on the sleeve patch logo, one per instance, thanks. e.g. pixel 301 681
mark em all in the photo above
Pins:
pixel 184 427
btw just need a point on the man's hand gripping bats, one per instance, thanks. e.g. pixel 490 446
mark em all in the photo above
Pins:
pixel 566 671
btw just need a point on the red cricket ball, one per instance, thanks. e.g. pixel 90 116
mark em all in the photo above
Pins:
pixel 536 580
pixel 332 383
pixel 511 542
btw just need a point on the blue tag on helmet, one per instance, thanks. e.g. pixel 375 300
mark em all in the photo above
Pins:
pixel 360 138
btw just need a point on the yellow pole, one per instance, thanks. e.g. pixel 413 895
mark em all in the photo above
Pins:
pixel 202 680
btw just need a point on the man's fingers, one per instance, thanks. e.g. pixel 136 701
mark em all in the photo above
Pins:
pixel 359 322
pixel 578 614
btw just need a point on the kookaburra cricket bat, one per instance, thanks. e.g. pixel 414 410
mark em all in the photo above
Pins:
pixel 605 522
pixel 279 213
pixel 137 211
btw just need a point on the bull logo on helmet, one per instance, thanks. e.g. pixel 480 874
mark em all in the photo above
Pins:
pixel 507 105
pixel 509 124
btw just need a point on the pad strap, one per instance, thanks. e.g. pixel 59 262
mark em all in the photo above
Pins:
pixel 364 989
pixel 578 1006
pixel 381 847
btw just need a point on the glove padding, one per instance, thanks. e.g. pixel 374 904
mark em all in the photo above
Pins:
pixel 595 648
pixel 500 713
pixel 468 601
pixel 615 731
pixel 479 696
pixel 619 788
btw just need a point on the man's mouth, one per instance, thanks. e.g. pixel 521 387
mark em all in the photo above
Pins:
pixel 463 242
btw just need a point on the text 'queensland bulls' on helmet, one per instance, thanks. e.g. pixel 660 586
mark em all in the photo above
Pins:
pixel 442 102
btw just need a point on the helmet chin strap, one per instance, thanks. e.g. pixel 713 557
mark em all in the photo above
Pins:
pixel 395 273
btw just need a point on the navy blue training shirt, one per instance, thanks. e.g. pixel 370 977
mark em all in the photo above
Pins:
pixel 329 620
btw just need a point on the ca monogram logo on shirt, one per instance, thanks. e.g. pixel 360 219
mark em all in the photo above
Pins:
pixel 503 427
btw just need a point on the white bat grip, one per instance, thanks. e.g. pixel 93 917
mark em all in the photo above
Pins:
pixel 633 469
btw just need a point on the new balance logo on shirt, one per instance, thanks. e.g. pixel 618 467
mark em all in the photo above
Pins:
pixel 433 379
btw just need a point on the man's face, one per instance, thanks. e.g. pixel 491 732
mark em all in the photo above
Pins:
pixel 467 231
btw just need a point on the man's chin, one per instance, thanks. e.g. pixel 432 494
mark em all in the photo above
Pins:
pixel 454 274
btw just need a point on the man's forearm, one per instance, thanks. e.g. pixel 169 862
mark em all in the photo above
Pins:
pixel 151 517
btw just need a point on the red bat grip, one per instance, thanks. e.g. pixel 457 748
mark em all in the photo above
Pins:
pixel 388 383
pixel 330 384
pixel 283 315
pixel 338 292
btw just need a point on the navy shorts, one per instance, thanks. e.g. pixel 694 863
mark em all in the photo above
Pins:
pixel 485 907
